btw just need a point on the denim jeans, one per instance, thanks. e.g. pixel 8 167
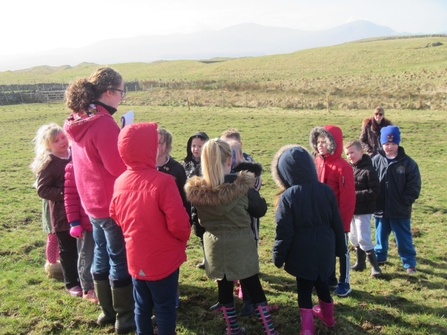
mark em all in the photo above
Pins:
pixel 110 250
pixel 158 295
pixel 404 240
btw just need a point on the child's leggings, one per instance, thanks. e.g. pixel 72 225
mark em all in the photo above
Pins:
pixel 52 248
pixel 305 287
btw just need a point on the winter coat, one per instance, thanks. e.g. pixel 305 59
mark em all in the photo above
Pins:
pixel 366 186
pixel 370 137
pixel 334 171
pixel 309 230
pixel 73 207
pixel 191 166
pixel 50 186
pixel 147 206
pixel 400 185
pixel 224 211
pixel 96 161
pixel 175 169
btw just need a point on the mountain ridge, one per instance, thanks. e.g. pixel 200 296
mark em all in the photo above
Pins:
pixel 242 40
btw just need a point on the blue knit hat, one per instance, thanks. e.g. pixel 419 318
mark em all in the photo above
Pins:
pixel 390 134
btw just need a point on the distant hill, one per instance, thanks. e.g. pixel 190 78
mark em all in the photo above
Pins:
pixel 243 40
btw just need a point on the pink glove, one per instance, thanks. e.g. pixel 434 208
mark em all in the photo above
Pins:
pixel 76 229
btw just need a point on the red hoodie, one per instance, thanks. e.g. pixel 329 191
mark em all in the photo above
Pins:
pixel 334 171
pixel 148 207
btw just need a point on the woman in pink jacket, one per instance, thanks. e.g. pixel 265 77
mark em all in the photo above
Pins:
pixel 97 164
pixel 147 206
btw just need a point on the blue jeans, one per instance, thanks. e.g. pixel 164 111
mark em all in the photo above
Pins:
pixel 404 240
pixel 159 295
pixel 110 250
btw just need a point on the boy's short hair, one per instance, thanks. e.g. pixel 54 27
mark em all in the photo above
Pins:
pixel 232 133
pixel 167 138
pixel 355 143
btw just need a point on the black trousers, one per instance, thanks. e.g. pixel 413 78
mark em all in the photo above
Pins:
pixel 68 254
pixel 252 285
pixel 305 287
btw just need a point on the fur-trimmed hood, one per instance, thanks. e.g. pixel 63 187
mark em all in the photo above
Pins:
pixel 334 138
pixel 234 187
pixel 254 167
pixel 292 165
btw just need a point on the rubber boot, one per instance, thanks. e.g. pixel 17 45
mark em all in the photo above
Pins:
pixel 360 263
pixel 307 321
pixel 124 306
pixel 263 313
pixel 375 269
pixel 230 317
pixel 325 312
pixel 104 294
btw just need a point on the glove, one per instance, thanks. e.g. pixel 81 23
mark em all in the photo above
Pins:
pixel 76 229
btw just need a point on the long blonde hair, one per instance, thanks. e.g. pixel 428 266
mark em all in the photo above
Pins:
pixel 215 153
pixel 45 135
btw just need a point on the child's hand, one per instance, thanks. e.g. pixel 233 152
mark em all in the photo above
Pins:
pixel 76 229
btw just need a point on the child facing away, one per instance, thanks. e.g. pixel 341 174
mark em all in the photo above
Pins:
pixel 224 203
pixel 52 155
pixel 147 206
pixel 366 191
pixel 400 186
pixel 309 232
pixel 81 229
pixel 192 167
pixel 327 146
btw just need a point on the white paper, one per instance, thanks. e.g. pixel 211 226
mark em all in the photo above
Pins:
pixel 127 119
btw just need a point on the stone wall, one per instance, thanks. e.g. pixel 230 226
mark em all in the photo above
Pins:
pixel 38 93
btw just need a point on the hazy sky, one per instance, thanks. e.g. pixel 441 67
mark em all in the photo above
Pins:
pixel 30 26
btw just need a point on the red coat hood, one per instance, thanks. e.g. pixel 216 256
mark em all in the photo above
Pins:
pixel 138 144
pixel 334 136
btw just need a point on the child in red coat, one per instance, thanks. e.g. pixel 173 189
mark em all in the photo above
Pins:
pixel 333 170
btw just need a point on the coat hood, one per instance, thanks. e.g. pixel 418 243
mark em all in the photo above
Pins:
pixel 78 124
pixel 254 167
pixel 138 145
pixel 200 134
pixel 199 193
pixel 293 165
pixel 334 137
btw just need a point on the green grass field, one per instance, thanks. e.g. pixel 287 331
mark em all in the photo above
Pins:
pixel 31 303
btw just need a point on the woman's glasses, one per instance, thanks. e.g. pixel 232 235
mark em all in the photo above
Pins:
pixel 123 93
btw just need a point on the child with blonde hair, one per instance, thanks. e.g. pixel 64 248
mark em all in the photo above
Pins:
pixel 52 155
pixel 366 191
pixel 225 201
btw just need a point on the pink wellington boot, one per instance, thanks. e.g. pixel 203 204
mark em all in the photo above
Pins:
pixel 325 312
pixel 307 321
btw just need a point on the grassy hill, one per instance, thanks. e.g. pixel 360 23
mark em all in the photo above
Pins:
pixel 396 73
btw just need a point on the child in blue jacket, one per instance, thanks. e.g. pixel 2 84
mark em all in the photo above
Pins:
pixel 309 232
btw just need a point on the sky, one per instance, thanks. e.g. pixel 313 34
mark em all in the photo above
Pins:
pixel 30 26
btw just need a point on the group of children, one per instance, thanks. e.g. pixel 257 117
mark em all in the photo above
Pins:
pixel 314 221
pixel 154 200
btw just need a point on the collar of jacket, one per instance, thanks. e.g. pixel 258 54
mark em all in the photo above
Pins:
pixel 110 109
